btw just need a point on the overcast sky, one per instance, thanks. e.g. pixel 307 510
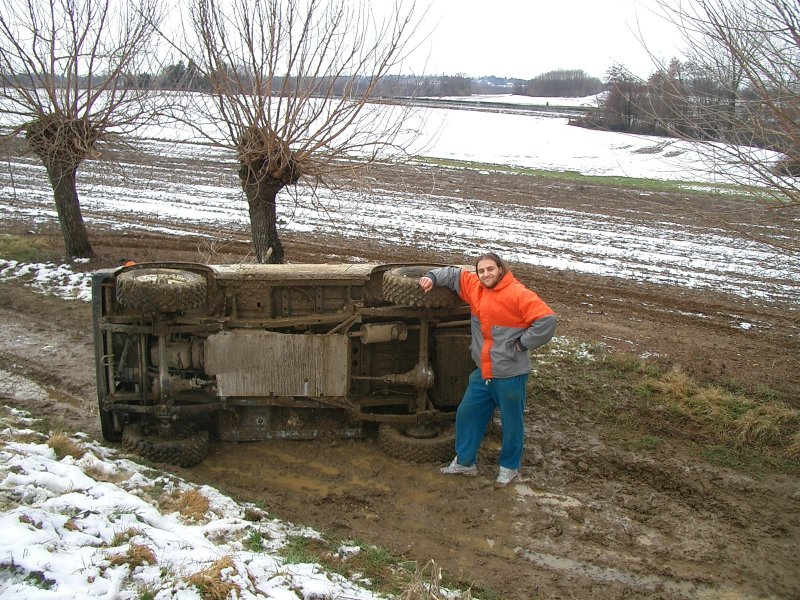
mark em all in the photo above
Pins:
pixel 525 38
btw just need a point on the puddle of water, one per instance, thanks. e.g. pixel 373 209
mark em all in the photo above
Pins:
pixel 246 465
pixel 362 462
pixel 291 458
pixel 551 503
pixel 370 484
pixel 481 544
pixel 19 388
pixel 418 497
pixel 325 469
pixel 243 473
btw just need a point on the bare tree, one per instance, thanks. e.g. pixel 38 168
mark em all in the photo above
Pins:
pixel 292 90
pixel 745 88
pixel 619 111
pixel 65 67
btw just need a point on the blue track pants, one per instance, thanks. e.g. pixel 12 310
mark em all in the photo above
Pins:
pixel 475 413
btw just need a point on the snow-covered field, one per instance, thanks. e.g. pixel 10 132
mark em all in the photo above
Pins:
pixel 160 194
pixel 535 141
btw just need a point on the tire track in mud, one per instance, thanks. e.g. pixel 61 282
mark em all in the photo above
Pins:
pixel 48 341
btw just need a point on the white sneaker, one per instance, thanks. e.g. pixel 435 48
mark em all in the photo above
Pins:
pixel 456 469
pixel 505 476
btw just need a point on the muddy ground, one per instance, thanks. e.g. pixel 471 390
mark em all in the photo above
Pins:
pixel 587 520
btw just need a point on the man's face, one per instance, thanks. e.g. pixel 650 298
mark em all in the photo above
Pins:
pixel 489 272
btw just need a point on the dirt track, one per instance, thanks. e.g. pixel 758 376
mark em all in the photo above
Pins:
pixel 586 521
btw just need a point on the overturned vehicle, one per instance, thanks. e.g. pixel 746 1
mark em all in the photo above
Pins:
pixel 188 353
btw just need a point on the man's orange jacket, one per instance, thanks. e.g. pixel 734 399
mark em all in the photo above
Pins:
pixel 501 316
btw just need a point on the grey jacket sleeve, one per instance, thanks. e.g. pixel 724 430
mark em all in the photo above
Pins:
pixel 539 333
pixel 446 277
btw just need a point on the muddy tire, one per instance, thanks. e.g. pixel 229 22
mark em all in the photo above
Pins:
pixel 401 286
pixel 161 290
pixel 107 426
pixel 395 443
pixel 185 449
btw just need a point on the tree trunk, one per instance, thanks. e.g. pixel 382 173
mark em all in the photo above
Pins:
pixel 65 194
pixel 262 196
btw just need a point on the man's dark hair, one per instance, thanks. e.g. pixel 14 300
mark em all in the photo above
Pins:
pixel 494 258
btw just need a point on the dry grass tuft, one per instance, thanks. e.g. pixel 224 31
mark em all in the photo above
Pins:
pixel 30 521
pixel 137 555
pixel 793 451
pixel 123 537
pixel 63 446
pixel 676 384
pixel 210 582
pixel 71 525
pixel 770 424
pixel 193 505
pixel 734 419
pixel 190 504
pixel 97 473
pixel 711 406
pixel 426 585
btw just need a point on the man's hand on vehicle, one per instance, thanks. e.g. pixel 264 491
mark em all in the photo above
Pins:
pixel 426 283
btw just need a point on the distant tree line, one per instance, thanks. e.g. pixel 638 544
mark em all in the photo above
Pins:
pixel 559 83
pixel 185 76
pixel 573 83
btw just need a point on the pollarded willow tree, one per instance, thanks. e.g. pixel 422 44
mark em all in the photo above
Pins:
pixel 65 68
pixel 742 87
pixel 292 86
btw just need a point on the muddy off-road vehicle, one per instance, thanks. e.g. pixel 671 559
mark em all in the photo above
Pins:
pixel 187 353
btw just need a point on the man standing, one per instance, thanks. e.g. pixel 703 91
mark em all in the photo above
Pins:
pixel 508 320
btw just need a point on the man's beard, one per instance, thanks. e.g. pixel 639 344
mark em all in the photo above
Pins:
pixel 494 282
